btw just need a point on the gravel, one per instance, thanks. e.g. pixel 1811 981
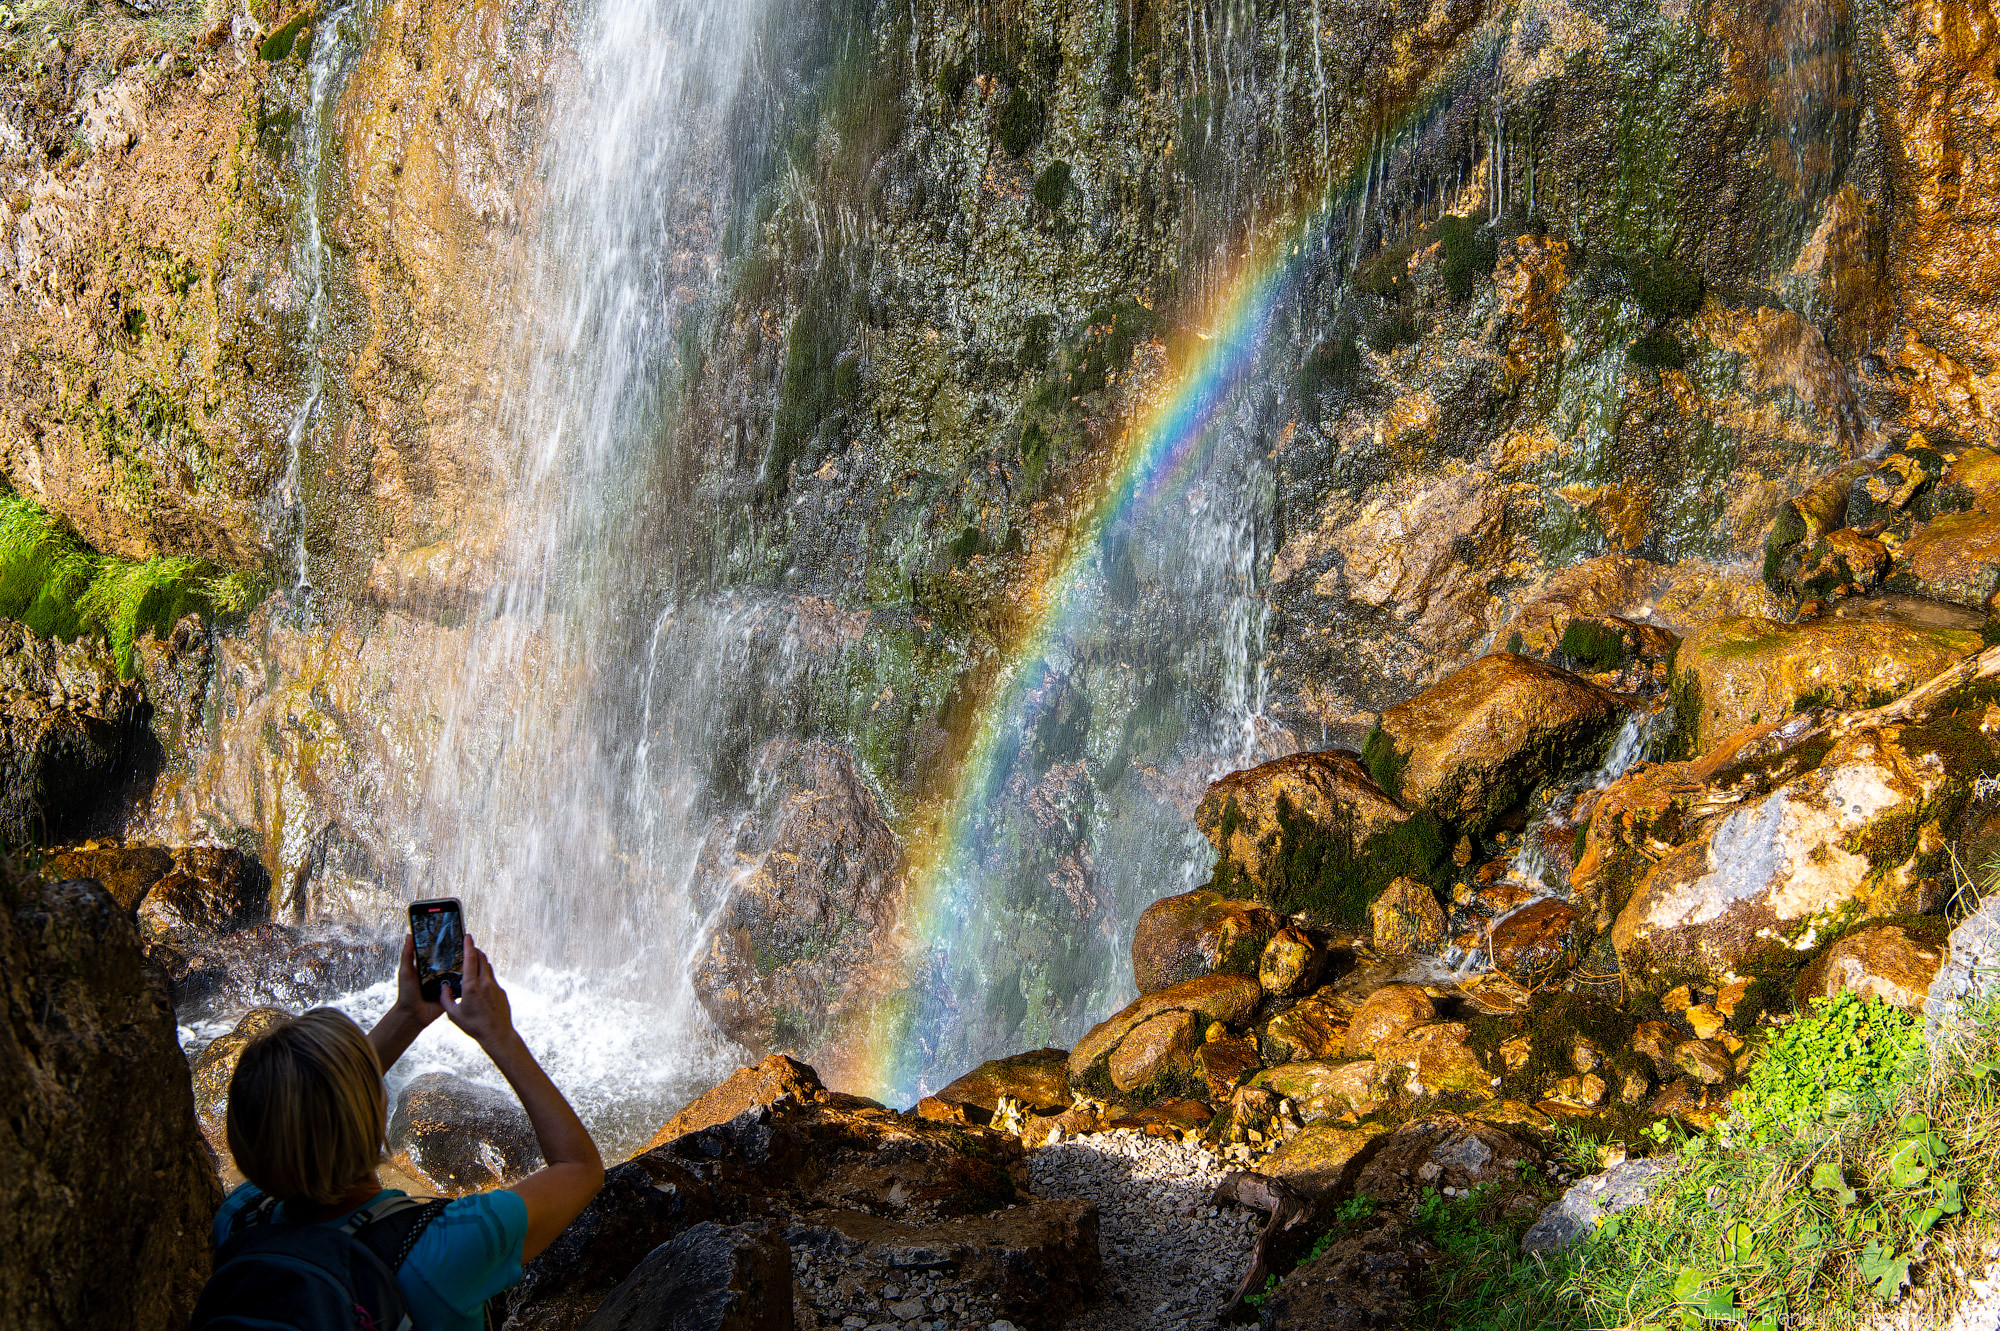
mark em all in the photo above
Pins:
pixel 1171 1260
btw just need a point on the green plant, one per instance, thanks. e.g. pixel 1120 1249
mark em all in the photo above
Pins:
pixel 1332 875
pixel 1333 364
pixel 280 43
pixel 1467 254
pixel 1665 287
pixel 58 587
pixel 1052 185
pixel 1846 1047
pixel 1384 761
pixel 1598 646
pixel 1398 331
pixel 1656 351
pixel 1021 117
pixel 952 76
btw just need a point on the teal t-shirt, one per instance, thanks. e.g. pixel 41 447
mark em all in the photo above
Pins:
pixel 468 1254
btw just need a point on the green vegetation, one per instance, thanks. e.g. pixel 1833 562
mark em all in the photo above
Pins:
pixel 1386 275
pixel 1398 331
pixel 1333 876
pixel 1332 365
pixel 1021 119
pixel 280 43
pixel 819 385
pixel 952 77
pixel 1665 287
pixel 1597 646
pixel 1468 254
pixel 1384 762
pixel 1854 1155
pixel 59 587
pixel 1656 351
pixel 1052 185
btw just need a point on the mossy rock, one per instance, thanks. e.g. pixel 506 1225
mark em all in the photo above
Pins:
pixel 1199 933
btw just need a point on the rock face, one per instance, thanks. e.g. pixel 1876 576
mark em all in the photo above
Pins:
pixel 462 1136
pixel 710 1278
pixel 1196 933
pixel 70 733
pixel 1037 1080
pixel 1735 672
pixel 111 1189
pixel 850 1184
pixel 1475 743
pixel 811 881
pixel 1407 919
pixel 212 1071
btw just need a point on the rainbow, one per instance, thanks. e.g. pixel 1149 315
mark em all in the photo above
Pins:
pixel 1152 456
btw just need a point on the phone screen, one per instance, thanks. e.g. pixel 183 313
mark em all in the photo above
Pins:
pixel 438 928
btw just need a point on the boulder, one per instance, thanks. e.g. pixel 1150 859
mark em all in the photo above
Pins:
pixel 1321 1159
pixel 1229 999
pixel 211 890
pixel 1363 1283
pixel 1325 1090
pixel 1314 1027
pixel 811 882
pixel 1881 961
pixel 1198 933
pixel 1159 1047
pixel 1736 672
pixel 709 1278
pixel 110 1188
pixel 1541 940
pixel 127 872
pixel 1575 1095
pixel 213 1068
pixel 745 1088
pixel 1389 1012
pixel 1439 1061
pixel 1244 815
pixel 276 965
pixel 1291 963
pixel 1842 841
pixel 1407 918
pixel 462 1136
pixel 1224 1064
pixel 1475 744
pixel 1039 1080
pixel 1440 1151
pixel 1589 1201
pixel 69 731
pixel 1706 1061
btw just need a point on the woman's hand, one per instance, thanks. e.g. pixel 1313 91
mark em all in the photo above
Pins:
pixel 406 1018
pixel 481 1011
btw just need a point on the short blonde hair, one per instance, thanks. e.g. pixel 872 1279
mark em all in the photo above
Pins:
pixel 307 1109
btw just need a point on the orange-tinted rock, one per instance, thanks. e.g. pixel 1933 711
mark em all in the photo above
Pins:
pixel 1290 964
pixel 1704 1060
pixel 1159 1046
pixel 1038 1079
pixel 1229 999
pixel 745 1088
pixel 1324 1090
pixel 1321 1158
pixel 1389 1012
pixel 126 872
pixel 1313 1028
pixel 1225 1064
pixel 1881 961
pixel 1329 791
pixel 1407 918
pixel 1439 1061
pixel 1539 941
pixel 1198 933
pixel 1476 742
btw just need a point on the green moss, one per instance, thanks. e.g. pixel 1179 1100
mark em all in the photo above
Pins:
pixel 952 77
pixel 1656 351
pixel 1665 287
pixel 1020 121
pixel 1468 254
pixel 1052 185
pixel 59 587
pixel 1684 696
pixel 819 385
pixel 1385 763
pixel 1386 275
pixel 279 44
pixel 1397 331
pixel 1331 877
pixel 1595 645
pixel 1331 366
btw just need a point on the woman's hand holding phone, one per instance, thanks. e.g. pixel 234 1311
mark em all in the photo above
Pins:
pixel 482 1011
pixel 409 1015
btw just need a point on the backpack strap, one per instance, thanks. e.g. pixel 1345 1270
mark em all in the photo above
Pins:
pixel 389 1228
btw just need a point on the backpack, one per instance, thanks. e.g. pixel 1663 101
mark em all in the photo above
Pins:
pixel 308 1277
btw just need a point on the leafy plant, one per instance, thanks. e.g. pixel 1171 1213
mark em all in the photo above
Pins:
pixel 1846 1047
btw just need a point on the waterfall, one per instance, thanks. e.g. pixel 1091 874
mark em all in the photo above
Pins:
pixel 564 802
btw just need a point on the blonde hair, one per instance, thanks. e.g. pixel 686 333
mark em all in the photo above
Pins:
pixel 307 1109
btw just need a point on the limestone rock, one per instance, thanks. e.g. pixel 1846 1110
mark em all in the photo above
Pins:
pixel 1229 999
pixel 708 1278
pixel 1575 1095
pixel 1656 1040
pixel 1882 961
pixel 1704 1060
pixel 746 1088
pixel 812 889
pixel 1313 1028
pixel 1225 1064
pixel 1387 1014
pixel 1243 813
pixel 126 872
pixel 68 727
pixel 1370 1280
pixel 1039 1080
pixel 1325 1090
pixel 210 891
pixel 1476 742
pixel 1321 1159
pixel 1290 963
pixel 1735 672
pixel 1407 918
pixel 213 1068
pixel 463 1136
pixel 1159 1046
pixel 1541 940
pixel 1439 1061
pixel 1578 1211
pixel 110 1189
pixel 1197 933
pixel 1466 1153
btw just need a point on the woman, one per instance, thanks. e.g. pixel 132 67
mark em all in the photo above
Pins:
pixel 307 1115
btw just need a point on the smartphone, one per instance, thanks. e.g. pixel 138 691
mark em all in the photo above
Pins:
pixel 438 927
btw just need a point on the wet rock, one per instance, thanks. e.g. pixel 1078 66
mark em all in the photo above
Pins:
pixel 1314 1027
pixel 1633 1087
pixel 1736 672
pixel 1656 1040
pixel 1439 1061
pixel 1575 1095
pixel 1704 1060
pixel 1476 742
pixel 110 1189
pixel 1882 961
pixel 709 1278
pixel 1229 999
pixel 1244 814
pixel 1369 1281
pixel 1690 1100
pixel 1539 941
pixel 276 965
pixel 1590 1200
pixel 1224 1064
pixel 746 1088
pixel 71 736
pixel 1388 1013
pixel 1407 918
pixel 1466 1153
pixel 1039 1080
pixel 1290 964
pixel 1327 1090
pixel 1198 933
pixel 1495 993
pixel 127 872
pixel 1161 1046
pixel 212 1070
pixel 1321 1159
pixel 211 890
pixel 811 882
pixel 464 1137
